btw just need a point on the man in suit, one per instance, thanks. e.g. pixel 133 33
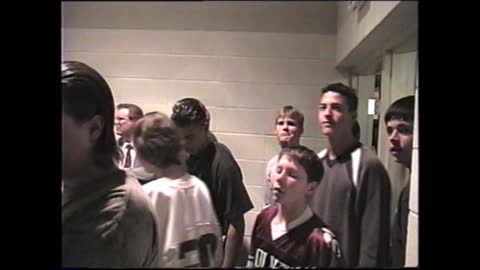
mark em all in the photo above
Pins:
pixel 126 116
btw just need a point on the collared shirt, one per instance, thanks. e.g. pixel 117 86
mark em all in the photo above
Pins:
pixel 279 230
pixel 133 155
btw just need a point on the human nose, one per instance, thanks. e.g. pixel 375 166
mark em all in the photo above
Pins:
pixel 393 136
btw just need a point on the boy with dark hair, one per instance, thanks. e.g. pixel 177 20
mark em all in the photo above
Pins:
pixel 399 124
pixel 354 195
pixel 214 164
pixel 287 233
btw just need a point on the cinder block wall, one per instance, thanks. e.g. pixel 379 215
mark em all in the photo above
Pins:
pixel 242 78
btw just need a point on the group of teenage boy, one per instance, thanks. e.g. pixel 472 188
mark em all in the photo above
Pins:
pixel 149 190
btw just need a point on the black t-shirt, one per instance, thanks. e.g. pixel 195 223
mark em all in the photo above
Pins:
pixel 216 166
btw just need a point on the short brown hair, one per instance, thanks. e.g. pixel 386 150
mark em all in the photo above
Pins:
pixel 308 159
pixel 134 112
pixel 157 140
pixel 292 112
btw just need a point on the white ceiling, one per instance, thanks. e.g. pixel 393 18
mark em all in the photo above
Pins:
pixel 250 16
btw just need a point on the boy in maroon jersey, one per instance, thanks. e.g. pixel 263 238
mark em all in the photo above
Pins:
pixel 288 233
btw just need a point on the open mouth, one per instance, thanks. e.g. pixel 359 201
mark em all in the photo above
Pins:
pixel 395 150
pixel 277 191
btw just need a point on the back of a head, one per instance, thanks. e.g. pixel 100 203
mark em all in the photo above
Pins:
pixel 85 94
pixel 157 140
pixel 134 112
pixel 308 159
pixel 402 109
pixel 347 92
pixel 190 111
pixel 291 112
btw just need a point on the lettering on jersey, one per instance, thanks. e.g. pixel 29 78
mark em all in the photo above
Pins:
pixel 198 252
pixel 276 263
pixel 261 257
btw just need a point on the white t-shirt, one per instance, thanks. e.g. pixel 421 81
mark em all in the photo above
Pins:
pixel 189 230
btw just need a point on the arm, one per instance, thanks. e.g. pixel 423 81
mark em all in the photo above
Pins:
pixel 233 202
pixel 253 244
pixel 233 241
pixel 375 222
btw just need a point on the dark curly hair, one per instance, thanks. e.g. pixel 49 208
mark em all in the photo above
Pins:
pixel 190 111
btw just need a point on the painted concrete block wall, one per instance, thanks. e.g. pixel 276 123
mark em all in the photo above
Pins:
pixel 353 27
pixel 365 86
pixel 242 78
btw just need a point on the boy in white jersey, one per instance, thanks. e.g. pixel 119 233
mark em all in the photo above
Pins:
pixel 190 234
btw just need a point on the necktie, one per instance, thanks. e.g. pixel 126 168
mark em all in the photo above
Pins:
pixel 128 157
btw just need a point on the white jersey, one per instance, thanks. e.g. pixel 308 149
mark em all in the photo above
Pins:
pixel 189 231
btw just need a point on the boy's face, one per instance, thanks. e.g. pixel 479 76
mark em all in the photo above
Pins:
pixel 194 137
pixel 400 141
pixel 287 130
pixel 333 114
pixel 290 185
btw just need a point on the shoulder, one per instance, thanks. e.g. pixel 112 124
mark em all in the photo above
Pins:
pixel 224 159
pixel 263 220
pixel 137 202
pixel 222 149
pixel 112 226
pixel 371 164
pixel 323 236
pixel 119 205
pixel 154 186
pixel 199 184
pixel 369 157
pixel 268 212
